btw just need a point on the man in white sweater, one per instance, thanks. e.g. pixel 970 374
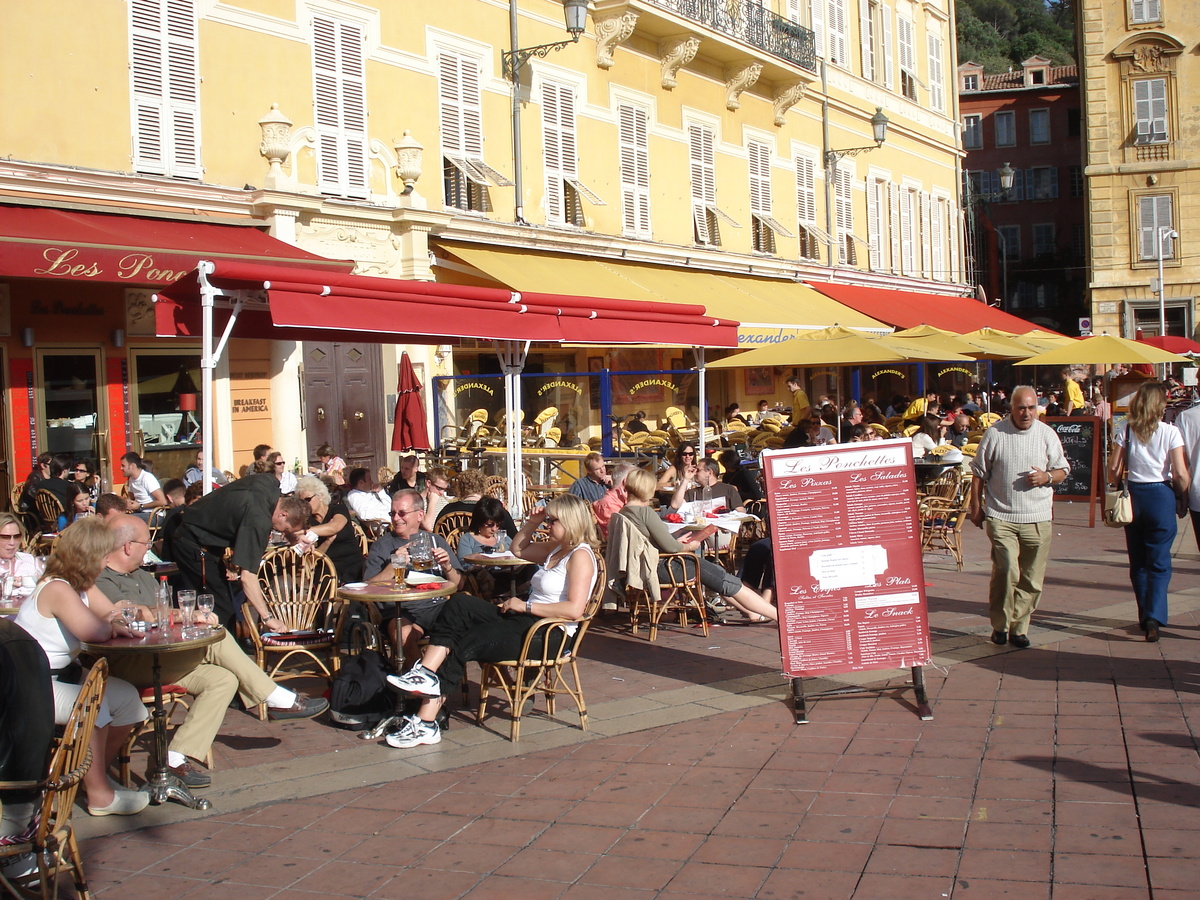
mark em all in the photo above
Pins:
pixel 1016 467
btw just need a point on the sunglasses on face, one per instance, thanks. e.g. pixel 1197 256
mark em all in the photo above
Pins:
pixel 550 520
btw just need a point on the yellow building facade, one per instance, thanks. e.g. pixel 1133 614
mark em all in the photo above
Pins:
pixel 1141 167
pixel 679 136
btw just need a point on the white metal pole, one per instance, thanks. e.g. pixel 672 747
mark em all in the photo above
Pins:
pixel 207 293
pixel 702 400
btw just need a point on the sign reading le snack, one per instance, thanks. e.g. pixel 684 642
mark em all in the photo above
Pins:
pixel 847 546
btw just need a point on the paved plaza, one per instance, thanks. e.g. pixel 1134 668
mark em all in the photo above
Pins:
pixel 1065 771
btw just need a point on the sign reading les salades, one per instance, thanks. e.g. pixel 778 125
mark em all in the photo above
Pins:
pixel 848 573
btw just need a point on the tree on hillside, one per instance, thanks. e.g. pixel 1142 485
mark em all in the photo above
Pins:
pixel 998 34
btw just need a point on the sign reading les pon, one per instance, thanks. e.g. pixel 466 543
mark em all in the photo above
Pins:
pixel 848 573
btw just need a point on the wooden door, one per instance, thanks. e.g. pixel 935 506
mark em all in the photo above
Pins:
pixel 343 400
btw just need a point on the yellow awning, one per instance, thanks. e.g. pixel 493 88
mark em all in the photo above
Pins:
pixel 769 309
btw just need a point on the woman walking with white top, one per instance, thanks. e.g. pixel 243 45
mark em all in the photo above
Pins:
pixel 1149 455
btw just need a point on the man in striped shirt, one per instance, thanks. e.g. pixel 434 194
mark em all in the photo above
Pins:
pixel 1019 461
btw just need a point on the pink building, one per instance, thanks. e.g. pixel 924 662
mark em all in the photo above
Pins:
pixel 1029 244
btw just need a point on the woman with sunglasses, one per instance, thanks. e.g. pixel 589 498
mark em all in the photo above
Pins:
pixel 485 535
pixel 470 629
pixel 277 466
pixel 13 560
pixel 685 459
pixel 329 529
pixel 83 473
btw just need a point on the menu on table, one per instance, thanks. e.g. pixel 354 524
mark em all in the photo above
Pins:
pixel 847 544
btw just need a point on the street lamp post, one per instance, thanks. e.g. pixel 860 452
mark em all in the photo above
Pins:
pixel 575 12
pixel 879 124
pixel 1165 233
pixel 1007 175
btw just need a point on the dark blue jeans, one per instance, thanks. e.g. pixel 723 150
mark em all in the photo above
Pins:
pixel 1148 539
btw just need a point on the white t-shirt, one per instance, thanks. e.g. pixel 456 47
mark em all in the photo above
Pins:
pixel 1150 462
pixel 1189 427
pixel 142 488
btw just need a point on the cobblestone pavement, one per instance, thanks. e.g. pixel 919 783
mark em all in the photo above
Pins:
pixel 1068 770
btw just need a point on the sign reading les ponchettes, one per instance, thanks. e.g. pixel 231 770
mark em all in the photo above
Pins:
pixel 847 545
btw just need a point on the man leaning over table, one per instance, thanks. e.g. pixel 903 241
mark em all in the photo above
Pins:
pixel 416 618
pixel 224 670
pixel 240 517
pixel 1016 467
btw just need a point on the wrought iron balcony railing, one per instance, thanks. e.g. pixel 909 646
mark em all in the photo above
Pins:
pixel 750 22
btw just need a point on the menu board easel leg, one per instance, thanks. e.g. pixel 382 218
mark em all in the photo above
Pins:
pixel 800 707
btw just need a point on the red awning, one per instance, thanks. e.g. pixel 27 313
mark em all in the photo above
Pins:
pixel 908 309
pixel 41 242
pixel 301 301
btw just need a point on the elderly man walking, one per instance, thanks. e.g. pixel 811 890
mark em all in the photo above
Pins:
pixel 1019 461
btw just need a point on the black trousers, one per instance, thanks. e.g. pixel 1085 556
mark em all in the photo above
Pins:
pixel 202 570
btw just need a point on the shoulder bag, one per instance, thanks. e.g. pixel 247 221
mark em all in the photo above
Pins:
pixel 1118 510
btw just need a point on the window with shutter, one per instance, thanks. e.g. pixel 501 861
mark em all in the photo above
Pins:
pixel 565 193
pixel 165 88
pixel 816 20
pixel 885 20
pixel 811 235
pixel 866 37
pixel 633 123
pixel 763 223
pixel 937 93
pixel 1150 110
pixel 466 176
pixel 844 213
pixel 1005 124
pixel 839 53
pixel 894 228
pixel 1039 126
pixel 908 204
pixel 1041 183
pixel 876 204
pixel 906 37
pixel 1043 239
pixel 1143 11
pixel 1155 218
pixel 1009 239
pixel 705 213
pixel 924 241
pixel 937 240
pixel 340 107
pixel 972 131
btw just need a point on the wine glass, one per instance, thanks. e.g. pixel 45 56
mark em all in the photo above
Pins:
pixel 205 604
pixel 129 613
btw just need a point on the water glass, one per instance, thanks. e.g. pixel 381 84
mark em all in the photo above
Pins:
pixel 129 612
pixel 187 608
pixel 205 604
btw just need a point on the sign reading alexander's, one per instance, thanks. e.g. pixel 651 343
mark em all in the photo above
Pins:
pixel 847 545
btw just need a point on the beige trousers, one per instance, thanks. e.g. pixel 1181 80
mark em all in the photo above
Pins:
pixel 1019 554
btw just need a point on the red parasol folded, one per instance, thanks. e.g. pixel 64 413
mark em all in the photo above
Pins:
pixel 409 431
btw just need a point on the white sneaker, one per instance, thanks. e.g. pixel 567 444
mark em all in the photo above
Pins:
pixel 124 803
pixel 414 733
pixel 417 680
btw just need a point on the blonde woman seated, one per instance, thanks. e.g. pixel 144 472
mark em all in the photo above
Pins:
pixel 472 629
pixel 640 486
pixel 65 609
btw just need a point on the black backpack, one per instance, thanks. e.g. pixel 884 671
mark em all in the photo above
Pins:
pixel 359 697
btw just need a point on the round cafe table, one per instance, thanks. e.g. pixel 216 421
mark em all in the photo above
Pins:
pixel 163 785
pixel 487 559
pixel 387 592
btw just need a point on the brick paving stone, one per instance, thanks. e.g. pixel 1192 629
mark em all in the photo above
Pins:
pixel 625 871
pixel 784 885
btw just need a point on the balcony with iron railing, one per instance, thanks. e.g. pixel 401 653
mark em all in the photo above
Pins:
pixel 728 31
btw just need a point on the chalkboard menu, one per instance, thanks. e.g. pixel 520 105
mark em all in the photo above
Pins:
pixel 1080 436
pixel 848 568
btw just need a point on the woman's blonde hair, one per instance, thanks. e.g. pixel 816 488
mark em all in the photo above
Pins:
pixel 575 514
pixel 78 554
pixel 640 485
pixel 7 518
pixel 469 481
pixel 1146 409
pixel 311 484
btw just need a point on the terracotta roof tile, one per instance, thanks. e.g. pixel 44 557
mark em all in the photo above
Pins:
pixel 1006 81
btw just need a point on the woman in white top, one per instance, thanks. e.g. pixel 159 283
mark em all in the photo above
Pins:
pixel 66 608
pixel 13 560
pixel 472 629
pixel 1150 452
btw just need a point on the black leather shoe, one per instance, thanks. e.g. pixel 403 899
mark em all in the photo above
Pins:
pixel 999 637
pixel 1020 641
pixel 1151 631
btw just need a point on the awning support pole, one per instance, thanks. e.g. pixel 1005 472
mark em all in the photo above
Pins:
pixel 209 357
pixel 511 355
pixel 701 400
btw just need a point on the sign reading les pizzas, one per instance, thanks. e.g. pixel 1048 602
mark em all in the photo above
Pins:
pixel 847 545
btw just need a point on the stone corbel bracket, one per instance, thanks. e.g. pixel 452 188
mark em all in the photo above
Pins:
pixel 675 53
pixel 611 31
pixel 786 96
pixel 738 78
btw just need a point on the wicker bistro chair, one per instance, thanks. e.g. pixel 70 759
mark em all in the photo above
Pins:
pixel 451 526
pixel 497 487
pixel 552 670
pixel 49 508
pixel 942 523
pixel 14 496
pixel 300 589
pixel 49 836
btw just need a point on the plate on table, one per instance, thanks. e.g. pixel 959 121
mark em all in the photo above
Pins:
pixel 418 578
pixel 355 585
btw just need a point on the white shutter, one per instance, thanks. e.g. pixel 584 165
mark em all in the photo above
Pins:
pixel 633 141
pixel 839 55
pixel 844 210
pixel 908 51
pixel 340 107
pixel 953 216
pixel 1150 110
pixel 553 149
pixel 889 78
pixel 164 71
pixel 816 12
pixel 703 176
pixel 894 226
pixel 1154 212
pixel 874 224
pixel 806 190
pixel 866 38
pixel 907 255
pixel 760 177
pixel 937 97
pixel 926 230
pixel 937 240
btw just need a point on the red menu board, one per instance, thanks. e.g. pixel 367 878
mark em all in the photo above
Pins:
pixel 847 543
